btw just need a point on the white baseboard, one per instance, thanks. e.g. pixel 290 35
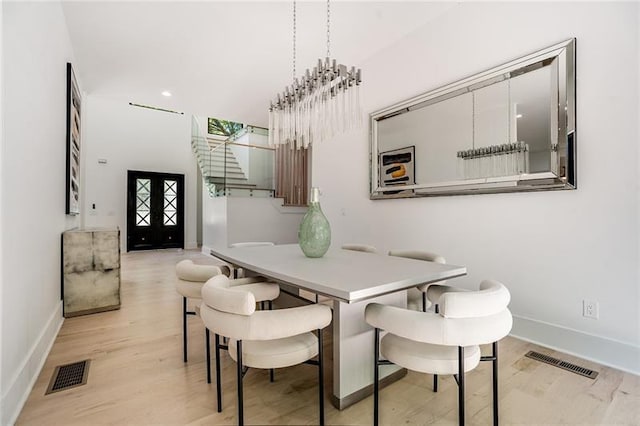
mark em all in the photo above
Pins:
pixel 190 245
pixel 612 353
pixel 25 378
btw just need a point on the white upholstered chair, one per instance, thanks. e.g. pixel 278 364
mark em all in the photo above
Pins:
pixel 191 278
pixel 262 291
pixel 313 297
pixel 262 339
pixel 422 296
pixel 359 247
pixel 446 342
pixel 239 272
pixel 252 244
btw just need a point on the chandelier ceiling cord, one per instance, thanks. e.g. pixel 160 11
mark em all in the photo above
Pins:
pixel 322 104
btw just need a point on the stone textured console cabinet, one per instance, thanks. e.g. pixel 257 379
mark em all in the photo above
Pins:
pixel 90 271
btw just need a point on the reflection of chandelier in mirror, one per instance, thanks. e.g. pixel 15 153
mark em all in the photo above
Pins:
pixel 323 103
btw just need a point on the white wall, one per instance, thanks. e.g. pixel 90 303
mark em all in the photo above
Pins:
pixel 133 138
pixel 262 219
pixel 36 48
pixel 228 220
pixel 214 220
pixel 637 103
pixel 552 249
pixel 2 97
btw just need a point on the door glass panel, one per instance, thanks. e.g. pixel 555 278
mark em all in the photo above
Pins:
pixel 143 202
pixel 170 202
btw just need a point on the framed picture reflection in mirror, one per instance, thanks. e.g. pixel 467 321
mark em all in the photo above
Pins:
pixel 397 167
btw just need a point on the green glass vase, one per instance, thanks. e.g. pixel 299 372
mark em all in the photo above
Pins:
pixel 314 234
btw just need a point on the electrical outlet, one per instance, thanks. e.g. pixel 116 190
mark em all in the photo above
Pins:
pixel 590 309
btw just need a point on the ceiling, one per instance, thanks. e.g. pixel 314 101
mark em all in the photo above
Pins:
pixel 224 59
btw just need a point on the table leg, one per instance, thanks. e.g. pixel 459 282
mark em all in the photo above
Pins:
pixel 353 352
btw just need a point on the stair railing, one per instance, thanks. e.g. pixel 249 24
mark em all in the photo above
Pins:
pixel 247 168
pixel 205 157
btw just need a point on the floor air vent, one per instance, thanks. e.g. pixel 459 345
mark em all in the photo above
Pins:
pixel 68 376
pixel 562 364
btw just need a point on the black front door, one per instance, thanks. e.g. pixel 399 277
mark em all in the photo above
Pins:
pixel 155 210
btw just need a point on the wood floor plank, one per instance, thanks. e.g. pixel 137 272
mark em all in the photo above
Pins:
pixel 137 376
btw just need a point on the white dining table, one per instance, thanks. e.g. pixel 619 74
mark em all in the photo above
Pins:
pixel 352 279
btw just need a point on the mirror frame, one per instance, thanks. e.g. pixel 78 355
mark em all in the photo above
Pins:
pixel 565 55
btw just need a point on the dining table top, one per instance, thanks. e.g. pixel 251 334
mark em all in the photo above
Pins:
pixel 344 275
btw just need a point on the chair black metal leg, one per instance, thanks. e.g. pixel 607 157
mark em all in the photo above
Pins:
pixel 272 372
pixel 376 390
pixel 461 385
pixel 239 368
pixel 424 302
pixel 437 310
pixel 184 329
pixel 218 378
pixel 495 383
pixel 320 377
pixel 208 353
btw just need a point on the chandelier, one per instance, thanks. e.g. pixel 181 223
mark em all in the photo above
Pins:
pixel 320 105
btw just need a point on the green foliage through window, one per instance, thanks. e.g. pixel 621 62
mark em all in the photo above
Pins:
pixel 223 127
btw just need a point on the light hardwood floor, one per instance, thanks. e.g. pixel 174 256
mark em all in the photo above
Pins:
pixel 137 376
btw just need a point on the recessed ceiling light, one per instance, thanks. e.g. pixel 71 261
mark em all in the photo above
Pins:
pixel 519 116
pixel 166 93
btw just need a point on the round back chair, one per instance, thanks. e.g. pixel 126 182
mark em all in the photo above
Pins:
pixel 239 272
pixel 424 295
pixel 252 244
pixel 262 339
pixel 359 247
pixel 190 279
pixel 446 342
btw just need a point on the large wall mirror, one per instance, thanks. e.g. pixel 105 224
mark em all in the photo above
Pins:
pixel 511 128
